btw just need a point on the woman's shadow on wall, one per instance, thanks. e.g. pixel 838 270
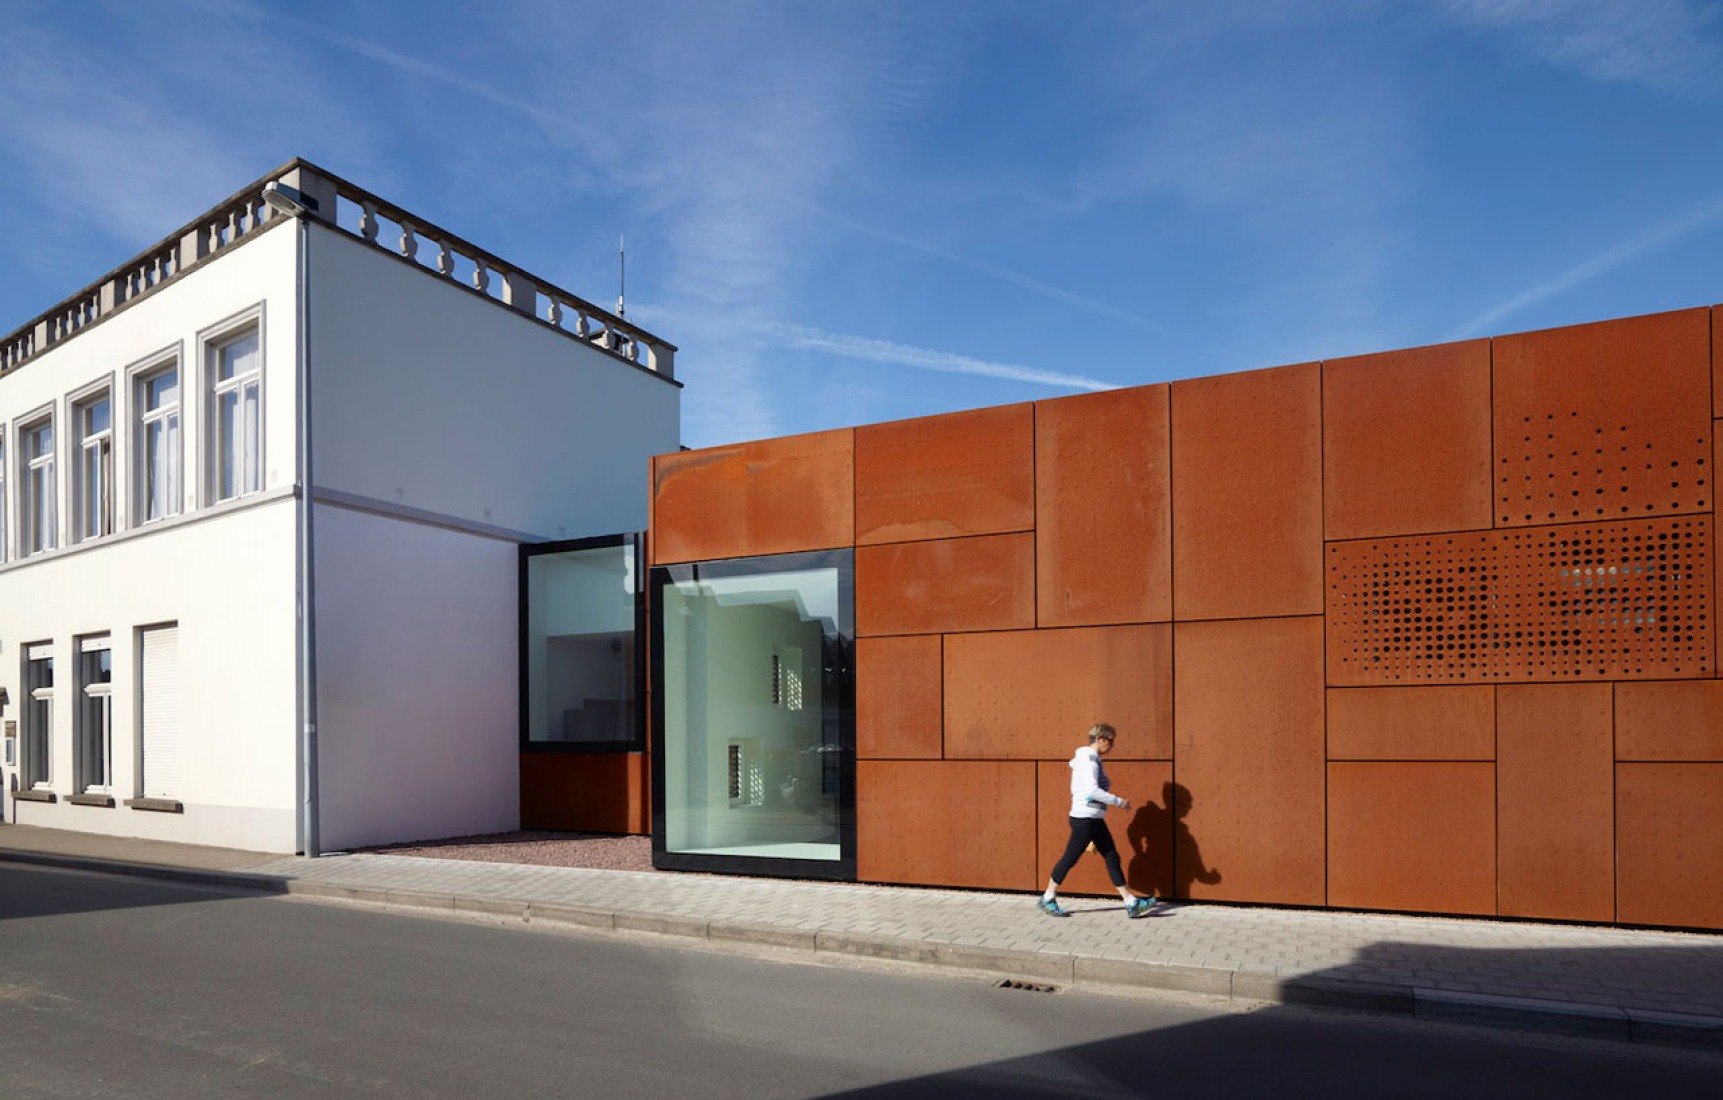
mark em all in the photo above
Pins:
pixel 1165 859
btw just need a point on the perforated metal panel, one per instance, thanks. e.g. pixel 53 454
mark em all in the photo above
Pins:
pixel 1607 601
pixel 1562 467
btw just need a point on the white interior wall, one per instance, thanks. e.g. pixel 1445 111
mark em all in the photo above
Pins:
pixel 417 681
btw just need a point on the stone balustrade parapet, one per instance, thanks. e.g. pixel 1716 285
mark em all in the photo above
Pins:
pixel 362 215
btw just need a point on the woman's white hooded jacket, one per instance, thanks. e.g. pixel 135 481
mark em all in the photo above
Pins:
pixel 1090 794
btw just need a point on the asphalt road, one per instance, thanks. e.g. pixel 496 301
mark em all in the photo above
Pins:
pixel 119 987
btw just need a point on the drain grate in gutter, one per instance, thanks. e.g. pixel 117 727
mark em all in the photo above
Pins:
pixel 1019 983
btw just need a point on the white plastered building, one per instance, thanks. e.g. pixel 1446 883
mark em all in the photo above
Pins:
pixel 159 678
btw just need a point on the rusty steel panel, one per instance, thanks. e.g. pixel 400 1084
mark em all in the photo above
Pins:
pixel 1632 599
pixel 1028 694
pixel 982 583
pixel 1448 722
pixel 1406 441
pixel 1247 494
pixel 1248 753
pixel 1669 844
pixel 966 473
pixel 586 792
pixel 946 823
pixel 1717 362
pixel 1555 820
pixel 898 700
pixel 1145 834
pixel 1103 525
pixel 1669 720
pixel 1418 836
pixel 774 496
pixel 1604 420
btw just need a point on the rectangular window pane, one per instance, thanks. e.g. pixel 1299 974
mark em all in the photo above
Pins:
pixel 39 512
pixel 758 706
pixel 251 436
pixel 582 675
pixel 227 445
pixel 38 715
pixel 158 470
pixel 239 357
pixel 95 715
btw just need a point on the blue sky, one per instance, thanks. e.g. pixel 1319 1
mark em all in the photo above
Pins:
pixel 852 212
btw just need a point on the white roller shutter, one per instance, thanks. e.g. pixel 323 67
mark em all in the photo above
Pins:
pixel 160 763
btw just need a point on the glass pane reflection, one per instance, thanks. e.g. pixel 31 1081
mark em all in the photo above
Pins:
pixel 758 702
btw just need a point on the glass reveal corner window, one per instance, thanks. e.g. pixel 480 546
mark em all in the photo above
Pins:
pixel 580 647
pixel 754 715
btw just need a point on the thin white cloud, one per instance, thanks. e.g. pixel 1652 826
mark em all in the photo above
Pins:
pixel 870 350
pixel 1003 274
pixel 1658 237
pixel 1666 45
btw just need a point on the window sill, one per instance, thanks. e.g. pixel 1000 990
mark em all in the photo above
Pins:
pixel 30 794
pixel 106 800
pixel 157 805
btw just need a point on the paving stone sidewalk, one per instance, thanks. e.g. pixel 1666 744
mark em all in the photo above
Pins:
pixel 1621 983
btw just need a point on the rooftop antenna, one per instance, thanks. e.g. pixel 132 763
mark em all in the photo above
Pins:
pixel 621 275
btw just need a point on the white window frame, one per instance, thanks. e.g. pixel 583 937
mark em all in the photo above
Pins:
pixel 33 652
pixel 92 452
pixel 214 346
pixel 38 527
pixel 100 692
pixel 169 419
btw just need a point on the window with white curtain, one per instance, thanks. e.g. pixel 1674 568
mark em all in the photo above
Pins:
pixel 236 416
pixel 39 513
pixel 157 401
pixel 93 476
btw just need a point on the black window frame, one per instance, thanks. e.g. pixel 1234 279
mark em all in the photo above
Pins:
pixel 636 741
pixel 842 869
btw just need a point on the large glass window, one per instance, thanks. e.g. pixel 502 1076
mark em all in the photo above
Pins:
pixel 580 646
pixel 95 713
pixel 158 445
pixel 754 715
pixel 236 396
pixel 94 476
pixel 38 712
pixel 40 514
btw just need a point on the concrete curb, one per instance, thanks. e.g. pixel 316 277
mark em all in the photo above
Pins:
pixel 1512 1013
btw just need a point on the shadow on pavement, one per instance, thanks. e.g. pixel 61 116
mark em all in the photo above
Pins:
pixel 46 892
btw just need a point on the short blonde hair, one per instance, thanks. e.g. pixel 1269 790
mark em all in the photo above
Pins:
pixel 1102 730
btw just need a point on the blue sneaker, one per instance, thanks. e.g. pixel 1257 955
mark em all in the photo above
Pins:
pixel 1139 907
pixel 1052 908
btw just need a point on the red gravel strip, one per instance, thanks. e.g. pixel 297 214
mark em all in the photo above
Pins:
pixel 538 848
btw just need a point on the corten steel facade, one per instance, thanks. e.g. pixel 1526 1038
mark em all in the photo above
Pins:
pixel 1429 630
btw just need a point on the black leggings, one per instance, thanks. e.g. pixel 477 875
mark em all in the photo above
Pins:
pixel 1084 832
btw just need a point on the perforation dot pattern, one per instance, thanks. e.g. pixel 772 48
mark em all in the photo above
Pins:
pixel 1562 468
pixel 1606 601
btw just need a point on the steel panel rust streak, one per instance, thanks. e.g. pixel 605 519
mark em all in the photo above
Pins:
pixel 967 473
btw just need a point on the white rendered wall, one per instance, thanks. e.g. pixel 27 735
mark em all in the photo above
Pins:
pixel 224 573
pixel 417 681
pixel 429 398
pixel 228 582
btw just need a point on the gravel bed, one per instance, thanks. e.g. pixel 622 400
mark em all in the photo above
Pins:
pixel 538 848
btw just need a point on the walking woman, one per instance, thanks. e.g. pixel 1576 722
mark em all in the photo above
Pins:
pixel 1090 798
